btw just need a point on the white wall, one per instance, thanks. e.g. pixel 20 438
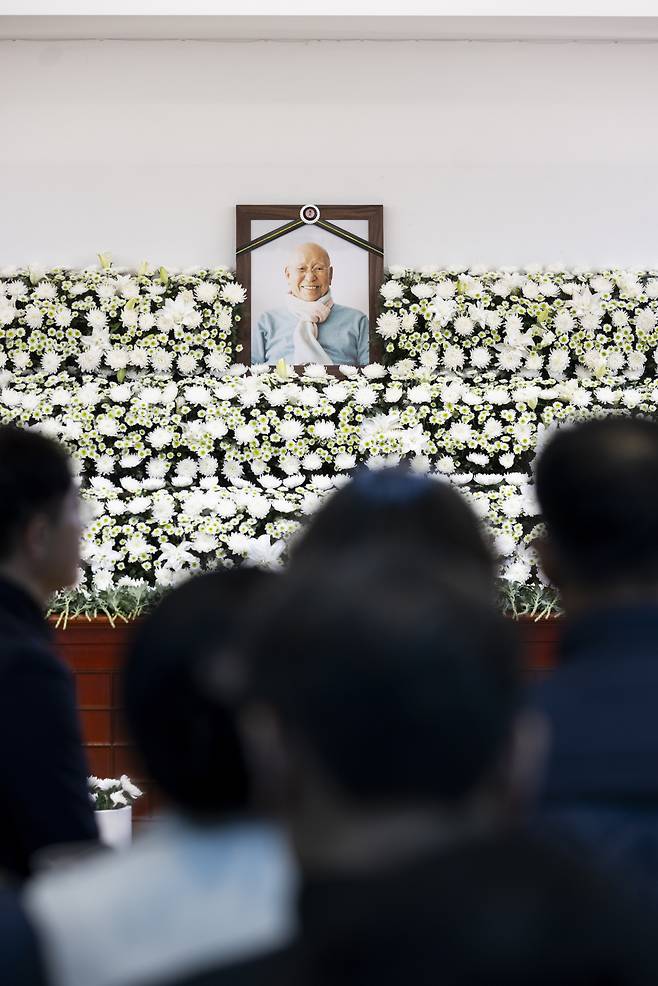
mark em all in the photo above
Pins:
pixel 480 152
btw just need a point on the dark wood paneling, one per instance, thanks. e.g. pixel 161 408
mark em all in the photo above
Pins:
pixel 95 652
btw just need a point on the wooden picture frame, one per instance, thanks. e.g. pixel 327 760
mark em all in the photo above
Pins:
pixel 290 218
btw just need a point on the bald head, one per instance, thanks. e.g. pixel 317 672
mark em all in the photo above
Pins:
pixel 308 272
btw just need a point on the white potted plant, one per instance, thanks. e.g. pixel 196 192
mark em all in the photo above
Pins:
pixel 113 800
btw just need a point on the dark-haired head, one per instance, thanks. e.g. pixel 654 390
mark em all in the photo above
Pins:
pixel 404 511
pixel 184 731
pixel 597 484
pixel 401 683
pixel 39 519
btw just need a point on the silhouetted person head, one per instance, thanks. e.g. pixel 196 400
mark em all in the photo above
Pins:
pixel 395 692
pixel 403 510
pixel 597 485
pixel 39 513
pixel 185 734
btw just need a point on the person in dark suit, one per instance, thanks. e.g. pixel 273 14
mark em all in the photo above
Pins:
pixel 44 800
pixel 597 485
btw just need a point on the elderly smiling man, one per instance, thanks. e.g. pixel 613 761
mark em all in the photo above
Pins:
pixel 310 328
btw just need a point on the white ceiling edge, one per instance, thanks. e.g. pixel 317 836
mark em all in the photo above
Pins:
pixel 318 28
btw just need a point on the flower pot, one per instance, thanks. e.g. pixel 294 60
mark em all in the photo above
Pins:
pixel 115 826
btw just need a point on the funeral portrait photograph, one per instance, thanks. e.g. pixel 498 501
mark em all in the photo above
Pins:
pixel 312 284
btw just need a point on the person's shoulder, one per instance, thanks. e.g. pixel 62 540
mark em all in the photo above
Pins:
pixel 347 314
pixel 273 317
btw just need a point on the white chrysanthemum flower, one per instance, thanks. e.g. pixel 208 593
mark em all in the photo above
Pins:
pixel 460 432
pixel 21 362
pixel 423 290
pixel 105 464
pixel 325 429
pixel 129 318
pixel 120 393
pixel 233 294
pixel 374 371
pixel 396 270
pixel 51 362
pixel 344 461
pixel 130 484
pixel 289 464
pixel 187 363
pixel 96 319
pixel 446 464
pixel 365 395
pixel 445 289
pixel 453 357
pixel 422 394
pixel 160 437
pixel 463 325
pixel 33 317
pixel 564 323
pixel 290 431
pixel 216 427
pixel 429 359
pixel 645 320
pixel 245 434
pixel 206 292
pixel 492 429
pixel 161 360
pixel 558 362
pixel 391 290
pixel 117 359
pixel 443 310
pixel 90 360
pixel 208 465
pixel 146 321
pixel 337 392
pixel 157 468
pixel 616 360
pixel 107 425
pixel 480 357
pixel 15 289
pixel 63 317
pixel 619 319
pixel 8 311
pixel 388 325
pixel 312 461
pixel 217 362
pixel 45 290
pixel 312 370
pixel 187 468
pixel 651 288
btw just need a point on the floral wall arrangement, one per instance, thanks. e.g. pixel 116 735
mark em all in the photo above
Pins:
pixel 188 458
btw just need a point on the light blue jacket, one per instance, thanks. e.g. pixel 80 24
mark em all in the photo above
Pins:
pixel 343 336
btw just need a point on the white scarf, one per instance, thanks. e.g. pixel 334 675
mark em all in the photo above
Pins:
pixel 307 349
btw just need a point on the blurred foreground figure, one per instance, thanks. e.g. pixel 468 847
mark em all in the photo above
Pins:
pixel 210 883
pixel 597 484
pixel 387 704
pixel 40 742
pixel 402 511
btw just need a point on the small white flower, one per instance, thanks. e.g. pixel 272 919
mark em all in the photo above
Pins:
pixel 96 319
pixel 118 798
pixel 312 461
pixel 325 430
